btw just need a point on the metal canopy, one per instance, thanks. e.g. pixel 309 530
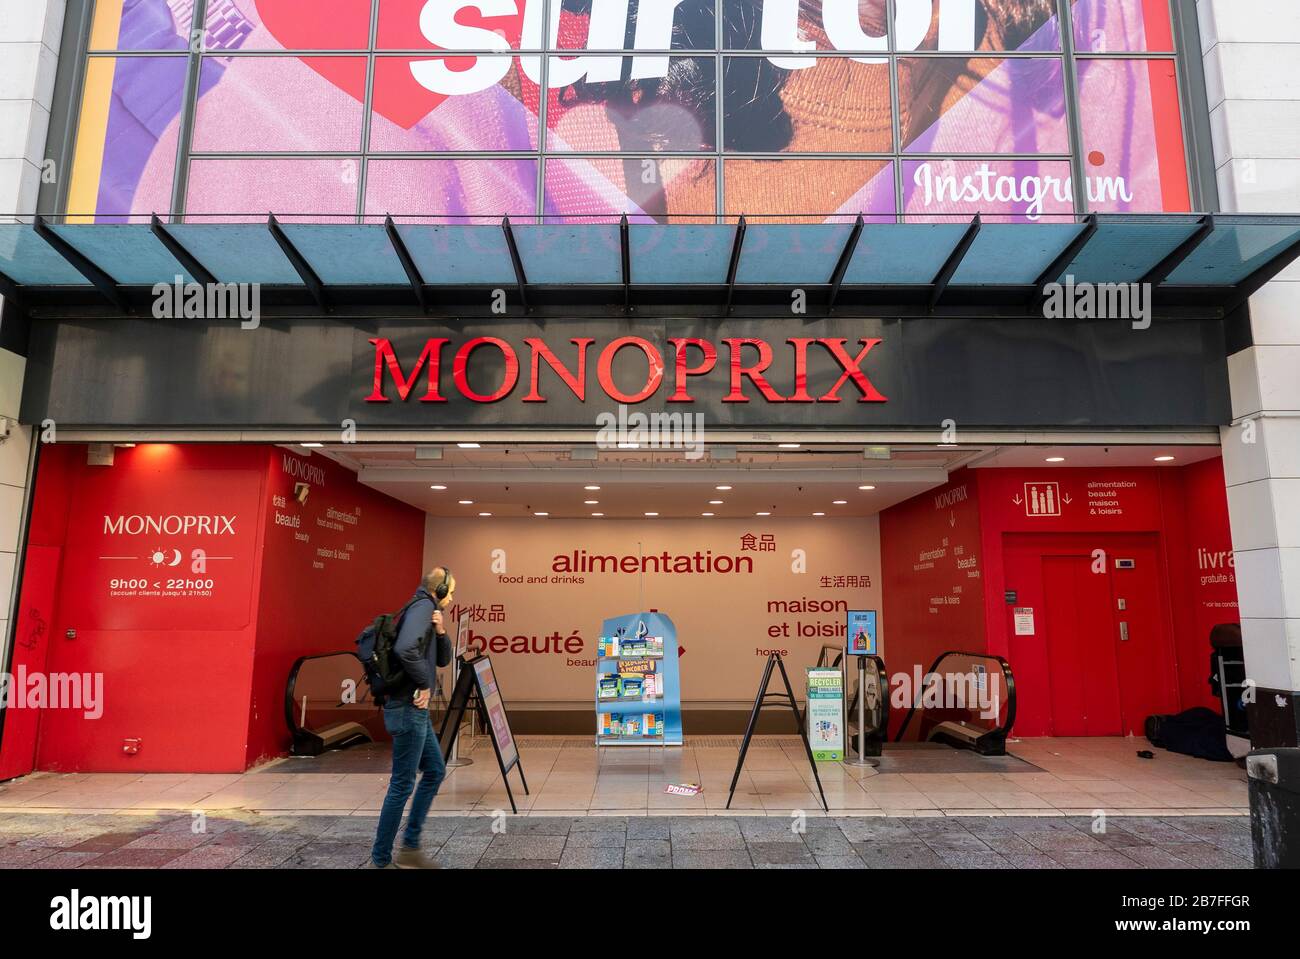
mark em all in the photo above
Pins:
pixel 1199 266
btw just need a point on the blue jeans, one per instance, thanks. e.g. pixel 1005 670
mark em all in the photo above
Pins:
pixel 415 747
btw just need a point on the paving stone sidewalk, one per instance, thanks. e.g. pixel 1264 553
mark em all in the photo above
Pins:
pixel 66 841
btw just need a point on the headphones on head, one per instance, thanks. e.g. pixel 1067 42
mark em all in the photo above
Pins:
pixel 443 589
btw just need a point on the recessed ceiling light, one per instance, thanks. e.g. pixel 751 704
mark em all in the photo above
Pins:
pixel 1164 459
pixel 715 502
pixel 629 446
pixel 591 502
pixel 591 487
pixel 484 514
pixel 437 486
pixel 1056 459
pixel 597 514
pixel 468 446
pixel 652 514
pixel 866 487
pixel 762 514
pixel 541 514
pixel 311 446
pixel 706 514
pixel 723 488
pixel 467 502
pixel 840 502
pixel 819 514
pixel 788 446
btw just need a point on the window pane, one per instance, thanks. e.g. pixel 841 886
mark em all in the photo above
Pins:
pixel 818 105
pixel 1132 136
pixel 441 25
pixel 982 105
pixel 809 191
pixel 996 25
pixel 476 103
pixel 859 26
pixel 287 25
pixel 246 190
pixel 804 25
pixel 666 189
pixel 126 137
pixel 651 25
pixel 1116 26
pixel 280 103
pixel 595 105
pixel 999 190
pixel 140 25
pixel 451 191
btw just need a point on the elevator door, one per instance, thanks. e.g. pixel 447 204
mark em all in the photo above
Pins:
pixel 1082 664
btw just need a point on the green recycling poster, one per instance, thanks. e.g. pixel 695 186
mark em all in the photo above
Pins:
pixel 826 714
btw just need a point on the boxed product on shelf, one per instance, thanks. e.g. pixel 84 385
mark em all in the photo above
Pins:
pixel 607 646
pixel 631 686
pixel 653 724
pixel 607 686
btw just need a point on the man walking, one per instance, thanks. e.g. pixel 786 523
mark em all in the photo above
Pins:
pixel 422 646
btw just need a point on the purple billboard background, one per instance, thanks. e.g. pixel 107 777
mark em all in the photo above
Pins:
pixel 986 105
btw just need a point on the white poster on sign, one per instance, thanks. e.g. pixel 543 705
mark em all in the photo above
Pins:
pixel 1024 620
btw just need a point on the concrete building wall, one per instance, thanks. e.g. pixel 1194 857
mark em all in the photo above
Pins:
pixel 1250 54
pixel 30 31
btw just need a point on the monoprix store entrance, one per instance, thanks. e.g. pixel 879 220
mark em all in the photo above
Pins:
pixel 587 423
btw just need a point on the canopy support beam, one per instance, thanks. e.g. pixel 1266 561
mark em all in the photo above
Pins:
pixel 408 263
pixel 1160 272
pixel 188 261
pixel 625 249
pixel 299 264
pixel 734 265
pixel 940 284
pixel 842 265
pixel 521 279
pixel 1064 259
pixel 82 264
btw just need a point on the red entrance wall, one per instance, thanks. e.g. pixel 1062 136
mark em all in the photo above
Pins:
pixel 198 679
pixel 1181 512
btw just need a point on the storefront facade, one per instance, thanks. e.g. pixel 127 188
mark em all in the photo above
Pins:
pixel 840 232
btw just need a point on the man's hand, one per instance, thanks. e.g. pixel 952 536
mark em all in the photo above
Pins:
pixel 421 699
pixel 436 619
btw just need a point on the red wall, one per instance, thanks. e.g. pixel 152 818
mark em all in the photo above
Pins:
pixel 196 674
pixel 1180 513
pixel 317 594
pixel 933 574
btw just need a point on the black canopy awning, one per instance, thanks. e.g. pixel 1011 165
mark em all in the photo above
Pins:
pixel 1199 267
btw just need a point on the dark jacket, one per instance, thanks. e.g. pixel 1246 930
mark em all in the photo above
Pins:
pixel 411 633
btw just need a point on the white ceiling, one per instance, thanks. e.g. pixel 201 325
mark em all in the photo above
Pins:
pixel 523 480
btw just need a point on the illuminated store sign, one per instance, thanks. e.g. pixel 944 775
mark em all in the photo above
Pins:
pixel 745 361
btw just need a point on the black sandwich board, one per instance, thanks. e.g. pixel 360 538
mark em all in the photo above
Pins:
pixel 477 685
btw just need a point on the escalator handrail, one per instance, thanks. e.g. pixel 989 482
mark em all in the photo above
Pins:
pixel 1009 677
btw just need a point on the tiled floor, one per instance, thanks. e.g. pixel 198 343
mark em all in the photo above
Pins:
pixel 569 777
pixel 247 840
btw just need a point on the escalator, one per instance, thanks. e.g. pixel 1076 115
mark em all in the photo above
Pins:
pixel 966 700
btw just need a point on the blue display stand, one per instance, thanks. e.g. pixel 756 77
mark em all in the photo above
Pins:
pixel 638 683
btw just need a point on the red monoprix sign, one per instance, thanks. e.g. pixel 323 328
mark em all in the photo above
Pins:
pixel 747 361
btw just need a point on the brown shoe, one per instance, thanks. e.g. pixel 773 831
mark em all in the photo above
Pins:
pixel 413 859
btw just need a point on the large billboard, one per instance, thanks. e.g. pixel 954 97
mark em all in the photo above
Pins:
pixel 662 109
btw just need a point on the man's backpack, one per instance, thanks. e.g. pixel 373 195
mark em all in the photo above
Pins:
pixel 379 660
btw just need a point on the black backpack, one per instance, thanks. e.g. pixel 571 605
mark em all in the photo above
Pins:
pixel 379 660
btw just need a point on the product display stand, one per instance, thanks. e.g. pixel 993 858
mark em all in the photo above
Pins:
pixel 638 687
pixel 788 696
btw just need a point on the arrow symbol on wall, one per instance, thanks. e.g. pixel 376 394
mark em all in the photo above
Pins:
pixel 952 518
pixel 1067 499
pixel 1018 501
